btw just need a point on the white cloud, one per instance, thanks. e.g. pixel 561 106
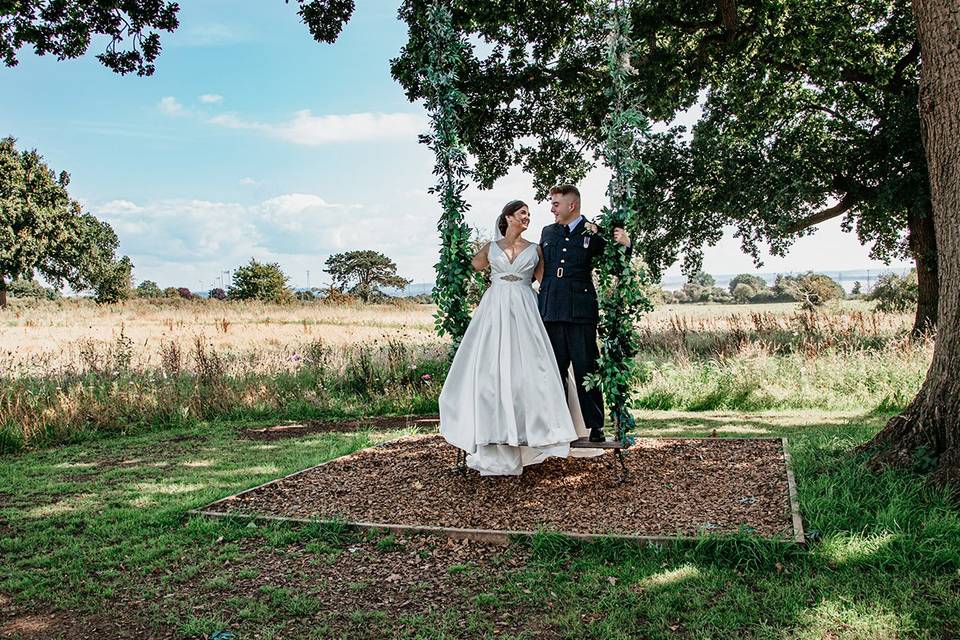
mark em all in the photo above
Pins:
pixel 210 35
pixel 186 242
pixel 119 207
pixel 171 107
pixel 211 98
pixel 307 129
pixel 248 181
pixel 177 242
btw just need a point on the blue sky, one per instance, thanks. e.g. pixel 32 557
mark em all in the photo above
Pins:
pixel 252 140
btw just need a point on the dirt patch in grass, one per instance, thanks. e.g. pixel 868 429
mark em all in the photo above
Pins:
pixel 121 624
pixel 308 427
pixel 675 487
pixel 361 586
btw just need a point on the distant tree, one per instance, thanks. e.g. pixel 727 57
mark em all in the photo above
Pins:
pixel 171 292
pixel 363 272
pixel 743 293
pixel 856 290
pixel 218 294
pixel 114 282
pixel 22 288
pixel 185 293
pixel 756 282
pixel 703 279
pixel 699 287
pixel 42 230
pixel 811 290
pixel 149 289
pixel 895 293
pixel 761 297
pixel 718 294
pixel 260 281
pixel 305 296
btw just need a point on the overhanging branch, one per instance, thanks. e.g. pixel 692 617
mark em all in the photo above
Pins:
pixel 846 203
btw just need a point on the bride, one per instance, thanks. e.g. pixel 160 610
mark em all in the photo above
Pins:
pixel 503 401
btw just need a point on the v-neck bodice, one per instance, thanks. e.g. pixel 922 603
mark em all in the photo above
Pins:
pixel 519 270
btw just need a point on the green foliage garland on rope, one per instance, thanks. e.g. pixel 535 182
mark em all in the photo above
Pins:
pixel 444 56
pixel 623 300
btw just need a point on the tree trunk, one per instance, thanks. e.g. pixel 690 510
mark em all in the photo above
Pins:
pixel 927 434
pixel 923 246
pixel 3 292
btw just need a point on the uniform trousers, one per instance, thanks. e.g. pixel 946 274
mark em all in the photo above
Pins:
pixel 576 343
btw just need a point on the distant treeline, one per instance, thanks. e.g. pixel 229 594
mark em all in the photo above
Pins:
pixel 892 292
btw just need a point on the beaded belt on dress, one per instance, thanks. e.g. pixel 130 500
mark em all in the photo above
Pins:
pixel 510 279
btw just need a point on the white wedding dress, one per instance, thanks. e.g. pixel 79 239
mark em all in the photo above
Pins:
pixel 503 401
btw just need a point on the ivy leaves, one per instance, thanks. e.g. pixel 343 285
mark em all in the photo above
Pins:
pixel 444 57
pixel 623 299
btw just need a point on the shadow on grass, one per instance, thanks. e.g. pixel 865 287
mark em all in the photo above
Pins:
pixel 884 560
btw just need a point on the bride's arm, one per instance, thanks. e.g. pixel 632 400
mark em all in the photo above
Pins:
pixel 481 259
pixel 538 271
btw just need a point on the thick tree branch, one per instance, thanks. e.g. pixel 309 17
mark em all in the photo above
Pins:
pixel 728 14
pixel 896 81
pixel 846 203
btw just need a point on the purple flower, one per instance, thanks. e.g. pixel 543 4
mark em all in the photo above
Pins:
pixel 296 357
pixel 426 378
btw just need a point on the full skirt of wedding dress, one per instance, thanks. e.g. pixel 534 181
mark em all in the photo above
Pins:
pixel 503 401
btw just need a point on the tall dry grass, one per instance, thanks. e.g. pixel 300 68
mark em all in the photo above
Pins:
pixel 70 369
pixel 845 358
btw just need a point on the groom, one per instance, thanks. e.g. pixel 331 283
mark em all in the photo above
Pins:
pixel 568 299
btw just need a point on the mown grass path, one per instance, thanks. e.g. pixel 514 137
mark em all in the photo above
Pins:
pixel 94 543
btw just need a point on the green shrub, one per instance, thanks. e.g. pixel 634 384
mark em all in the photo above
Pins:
pixel 896 294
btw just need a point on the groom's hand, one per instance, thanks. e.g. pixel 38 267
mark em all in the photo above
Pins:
pixel 620 236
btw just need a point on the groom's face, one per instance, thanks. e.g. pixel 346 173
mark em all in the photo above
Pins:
pixel 563 207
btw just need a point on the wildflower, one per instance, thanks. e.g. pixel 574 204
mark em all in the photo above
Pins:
pixel 296 357
pixel 426 378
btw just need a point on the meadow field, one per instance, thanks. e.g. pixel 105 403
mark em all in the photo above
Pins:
pixel 118 420
pixel 71 368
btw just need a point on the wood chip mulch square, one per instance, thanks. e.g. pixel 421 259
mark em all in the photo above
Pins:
pixel 675 487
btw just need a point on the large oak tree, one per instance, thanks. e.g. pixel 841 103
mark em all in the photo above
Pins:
pixel 809 113
pixel 927 434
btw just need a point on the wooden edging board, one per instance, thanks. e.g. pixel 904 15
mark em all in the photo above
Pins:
pixel 494 536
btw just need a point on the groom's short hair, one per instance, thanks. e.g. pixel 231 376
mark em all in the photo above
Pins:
pixel 565 190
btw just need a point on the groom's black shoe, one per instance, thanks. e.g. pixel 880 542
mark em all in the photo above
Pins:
pixel 596 435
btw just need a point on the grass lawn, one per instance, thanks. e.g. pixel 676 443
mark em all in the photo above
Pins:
pixel 94 543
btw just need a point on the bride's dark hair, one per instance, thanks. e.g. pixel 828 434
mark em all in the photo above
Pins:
pixel 508 210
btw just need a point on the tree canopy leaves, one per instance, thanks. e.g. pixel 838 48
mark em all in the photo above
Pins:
pixel 42 230
pixel 809 111
pixel 66 29
pixel 263 281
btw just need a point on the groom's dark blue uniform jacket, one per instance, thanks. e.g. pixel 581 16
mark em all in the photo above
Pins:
pixel 567 293
pixel 568 306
